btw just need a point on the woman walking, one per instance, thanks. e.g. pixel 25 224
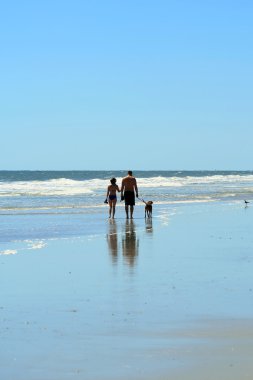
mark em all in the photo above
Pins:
pixel 111 197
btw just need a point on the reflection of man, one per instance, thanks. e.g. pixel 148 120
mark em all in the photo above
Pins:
pixel 128 191
pixel 112 239
pixel 130 243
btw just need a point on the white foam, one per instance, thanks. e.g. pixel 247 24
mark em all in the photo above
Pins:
pixel 68 187
pixel 45 188
pixel 8 252
pixel 36 244
pixel 193 180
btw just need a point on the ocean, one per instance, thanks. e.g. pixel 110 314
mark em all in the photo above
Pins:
pixel 46 204
pixel 161 298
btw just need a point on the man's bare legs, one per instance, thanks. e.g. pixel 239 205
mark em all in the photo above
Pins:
pixel 131 211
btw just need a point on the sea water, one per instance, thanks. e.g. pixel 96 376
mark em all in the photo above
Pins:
pixel 120 293
pixel 48 204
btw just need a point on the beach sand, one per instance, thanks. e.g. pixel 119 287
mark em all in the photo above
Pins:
pixel 167 299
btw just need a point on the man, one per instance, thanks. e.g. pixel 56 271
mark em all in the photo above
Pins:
pixel 128 191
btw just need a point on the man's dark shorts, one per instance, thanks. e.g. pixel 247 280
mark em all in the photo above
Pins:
pixel 129 197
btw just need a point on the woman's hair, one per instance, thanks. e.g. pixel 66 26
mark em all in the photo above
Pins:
pixel 113 181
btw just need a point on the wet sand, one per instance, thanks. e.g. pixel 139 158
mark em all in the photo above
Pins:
pixel 167 299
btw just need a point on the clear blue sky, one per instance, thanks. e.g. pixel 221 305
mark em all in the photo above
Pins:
pixel 133 84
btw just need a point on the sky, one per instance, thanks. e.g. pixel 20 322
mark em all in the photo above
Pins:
pixel 141 85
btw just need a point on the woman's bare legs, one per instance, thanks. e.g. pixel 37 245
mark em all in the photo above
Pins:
pixel 112 208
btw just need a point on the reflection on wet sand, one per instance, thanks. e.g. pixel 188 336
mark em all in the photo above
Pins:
pixel 149 225
pixel 112 239
pixel 130 243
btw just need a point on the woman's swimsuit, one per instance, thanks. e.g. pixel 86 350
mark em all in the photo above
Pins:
pixel 112 197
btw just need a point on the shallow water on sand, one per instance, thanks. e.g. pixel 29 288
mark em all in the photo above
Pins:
pixel 120 303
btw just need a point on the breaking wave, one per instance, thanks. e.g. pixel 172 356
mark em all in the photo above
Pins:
pixel 70 187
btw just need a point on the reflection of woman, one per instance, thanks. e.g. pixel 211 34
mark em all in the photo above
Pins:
pixel 112 239
pixel 111 197
pixel 130 243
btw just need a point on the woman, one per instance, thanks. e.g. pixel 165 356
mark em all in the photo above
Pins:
pixel 111 197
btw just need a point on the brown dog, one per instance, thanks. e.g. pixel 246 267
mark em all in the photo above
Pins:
pixel 148 209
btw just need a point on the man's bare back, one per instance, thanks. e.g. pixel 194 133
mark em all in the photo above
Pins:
pixel 129 184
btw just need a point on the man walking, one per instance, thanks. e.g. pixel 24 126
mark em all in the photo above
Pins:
pixel 128 191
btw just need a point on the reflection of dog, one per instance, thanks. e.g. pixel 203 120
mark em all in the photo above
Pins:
pixel 148 209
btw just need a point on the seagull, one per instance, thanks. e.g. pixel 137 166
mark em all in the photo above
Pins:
pixel 246 202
